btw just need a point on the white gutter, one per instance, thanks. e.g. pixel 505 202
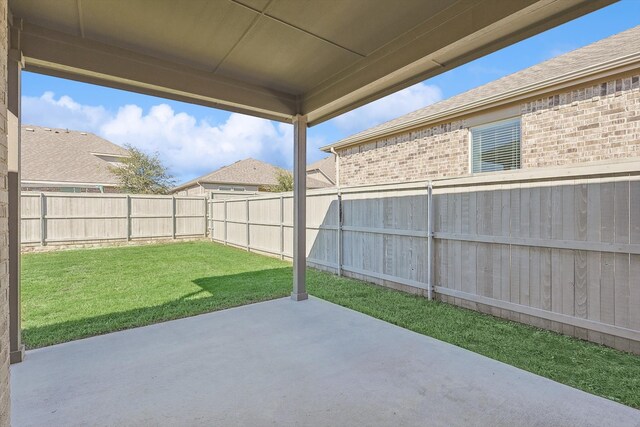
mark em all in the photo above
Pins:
pixel 333 151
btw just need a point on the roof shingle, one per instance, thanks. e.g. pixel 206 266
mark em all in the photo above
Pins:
pixel 246 172
pixel 62 155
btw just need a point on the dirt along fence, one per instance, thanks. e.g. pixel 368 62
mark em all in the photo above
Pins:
pixel 62 219
pixel 555 248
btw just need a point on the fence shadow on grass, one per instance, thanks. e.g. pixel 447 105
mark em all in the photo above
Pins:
pixel 215 293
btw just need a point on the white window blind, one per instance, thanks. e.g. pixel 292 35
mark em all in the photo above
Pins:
pixel 496 146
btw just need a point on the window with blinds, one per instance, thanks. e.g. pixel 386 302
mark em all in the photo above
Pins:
pixel 496 146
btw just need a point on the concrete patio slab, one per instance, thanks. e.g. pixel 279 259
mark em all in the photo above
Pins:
pixel 288 363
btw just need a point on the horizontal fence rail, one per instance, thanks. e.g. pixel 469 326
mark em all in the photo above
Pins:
pixel 60 218
pixel 556 249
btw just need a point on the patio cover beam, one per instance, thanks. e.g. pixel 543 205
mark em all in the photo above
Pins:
pixel 62 55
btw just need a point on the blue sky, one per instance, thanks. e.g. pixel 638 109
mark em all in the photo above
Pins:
pixel 194 140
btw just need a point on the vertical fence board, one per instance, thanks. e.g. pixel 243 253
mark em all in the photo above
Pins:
pixel 525 213
pixel 545 253
pixel 535 291
pixel 580 267
pixel 621 261
pixel 594 259
pixel 496 230
pixel 607 305
pixel 634 260
pixel 515 250
pixel 505 250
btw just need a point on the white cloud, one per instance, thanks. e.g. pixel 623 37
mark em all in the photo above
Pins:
pixel 63 112
pixel 389 107
pixel 187 146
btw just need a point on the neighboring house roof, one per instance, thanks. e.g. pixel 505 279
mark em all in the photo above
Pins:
pixel 243 172
pixel 326 167
pixel 614 54
pixel 313 183
pixel 66 156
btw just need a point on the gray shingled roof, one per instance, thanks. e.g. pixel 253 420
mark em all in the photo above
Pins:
pixel 313 183
pixel 327 166
pixel 608 49
pixel 247 172
pixel 60 155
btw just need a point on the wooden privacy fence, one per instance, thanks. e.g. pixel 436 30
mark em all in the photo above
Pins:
pixel 556 249
pixel 60 218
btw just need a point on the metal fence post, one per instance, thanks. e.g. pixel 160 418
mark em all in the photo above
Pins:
pixel 281 227
pixel 430 240
pixel 43 219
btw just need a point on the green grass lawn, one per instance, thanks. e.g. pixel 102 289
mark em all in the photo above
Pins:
pixel 74 294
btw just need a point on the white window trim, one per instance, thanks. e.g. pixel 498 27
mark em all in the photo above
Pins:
pixel 487 125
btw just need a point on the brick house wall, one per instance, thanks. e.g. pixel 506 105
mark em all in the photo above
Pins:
pixel 593 123
pixel 4 225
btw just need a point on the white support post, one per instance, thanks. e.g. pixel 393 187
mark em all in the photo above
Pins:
pixel 430 241
pixel 299 208
pixel 13 185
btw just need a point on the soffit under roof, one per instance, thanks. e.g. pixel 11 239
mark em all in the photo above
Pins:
pixel 272 58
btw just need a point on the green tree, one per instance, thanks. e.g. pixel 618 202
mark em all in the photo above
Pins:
pixel 142 173
pixel 284 181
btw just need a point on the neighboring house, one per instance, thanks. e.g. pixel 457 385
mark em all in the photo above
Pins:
pixel 243 175
pixel 68 160
pixel 583 106
pixel 323 171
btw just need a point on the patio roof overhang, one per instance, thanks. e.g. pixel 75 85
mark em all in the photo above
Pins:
pixel 273 58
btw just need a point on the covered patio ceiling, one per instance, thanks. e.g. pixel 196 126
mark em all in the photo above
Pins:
pixel 273 58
